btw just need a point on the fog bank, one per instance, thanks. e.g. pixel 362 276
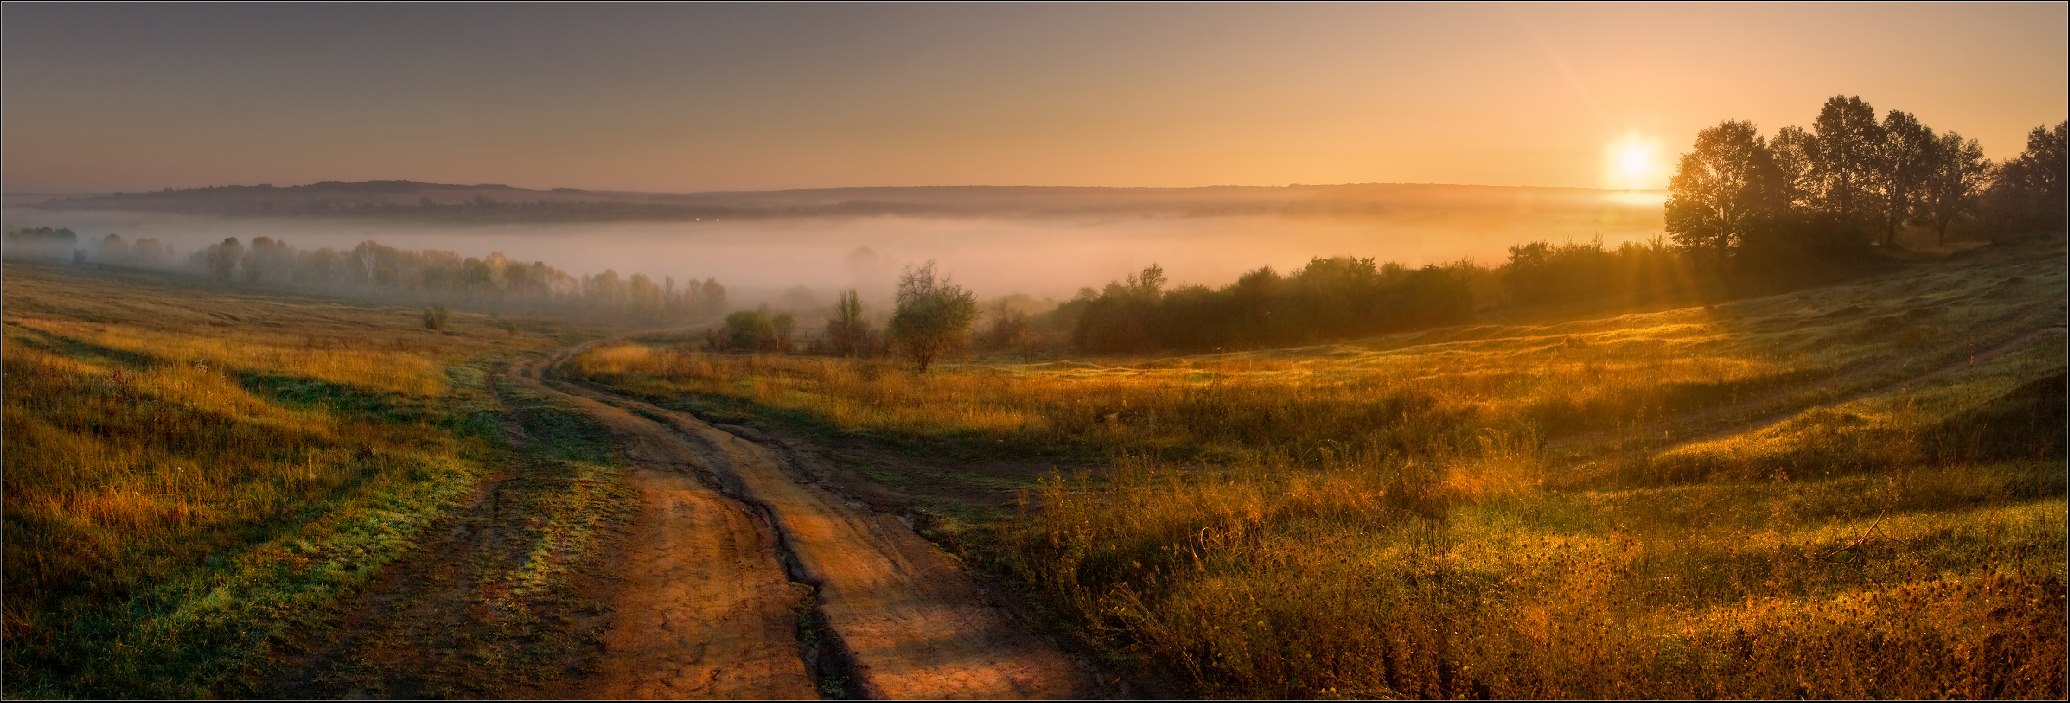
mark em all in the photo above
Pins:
pixel 993 255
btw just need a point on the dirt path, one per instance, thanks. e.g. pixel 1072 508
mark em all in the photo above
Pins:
pixel 705 610
pixel 899 617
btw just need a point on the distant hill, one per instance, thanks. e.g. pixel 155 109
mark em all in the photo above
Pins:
pixel 497 202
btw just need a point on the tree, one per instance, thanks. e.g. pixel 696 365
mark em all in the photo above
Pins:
pixel 1009 328
pixel 113 249
pixel 847 331
pixel 1150 283
pixel 1848 140
pixel 267 258
pixel 711 296
pixel 797 298
pixel 1794 151
pixel 2045 149
pixel 435 317
pixel 783 324
pixel 1903 164
pixel 2028 190
pixel 223 257
pixel 751 330
pixel 933 316
pixel 1723 190
pixel 1957 174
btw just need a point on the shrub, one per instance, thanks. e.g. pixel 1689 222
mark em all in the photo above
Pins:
pixel 435 317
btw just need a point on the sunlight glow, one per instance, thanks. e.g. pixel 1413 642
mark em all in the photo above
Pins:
pixel 1633 162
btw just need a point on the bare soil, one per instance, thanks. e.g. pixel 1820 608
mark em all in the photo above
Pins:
pixel 898 617
pixel 705 609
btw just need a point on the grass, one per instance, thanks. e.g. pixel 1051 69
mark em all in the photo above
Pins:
pixel 500 601
pixel 193 474
pixel 1513 510
pixel 1598 375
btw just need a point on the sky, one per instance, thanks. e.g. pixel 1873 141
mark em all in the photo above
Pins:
pixel 678 98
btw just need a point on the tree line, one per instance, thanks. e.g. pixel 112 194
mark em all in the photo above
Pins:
pixel 1827 194
pixel 493 281
pixel 375 270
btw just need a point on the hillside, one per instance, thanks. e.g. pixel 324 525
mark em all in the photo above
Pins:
pixel 1848 491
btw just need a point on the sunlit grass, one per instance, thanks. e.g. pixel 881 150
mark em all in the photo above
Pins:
pixel 1386 518
pixel 190 473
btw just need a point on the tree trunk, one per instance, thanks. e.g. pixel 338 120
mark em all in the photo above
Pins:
pixel 1846 194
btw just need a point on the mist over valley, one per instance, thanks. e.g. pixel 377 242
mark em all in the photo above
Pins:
pixel 1044 242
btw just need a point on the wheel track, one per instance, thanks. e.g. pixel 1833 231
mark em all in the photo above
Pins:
pixel 899 618
pixel 706 610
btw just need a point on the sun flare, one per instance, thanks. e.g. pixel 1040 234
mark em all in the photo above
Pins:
pixel 1633 162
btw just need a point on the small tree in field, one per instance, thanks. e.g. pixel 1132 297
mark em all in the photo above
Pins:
pixel 751 330
pixel 933 317
pixel 847 332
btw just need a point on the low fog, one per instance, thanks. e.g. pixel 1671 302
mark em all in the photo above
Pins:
pixel 759 260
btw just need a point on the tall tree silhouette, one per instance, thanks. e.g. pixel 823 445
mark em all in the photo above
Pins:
pixel 1903 165
pixel 1794 151
pixel 1957 173
pixel 1724 189
pixel 2028 191
pixel 847 331
pixel 1848 139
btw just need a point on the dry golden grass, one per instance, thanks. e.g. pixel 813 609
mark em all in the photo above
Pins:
pixel 1384 518
pixel 190 472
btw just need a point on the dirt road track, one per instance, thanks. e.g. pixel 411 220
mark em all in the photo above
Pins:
pixel 900 617
pixel 706 610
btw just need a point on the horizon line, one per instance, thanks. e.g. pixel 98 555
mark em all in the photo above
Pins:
pixel 6 193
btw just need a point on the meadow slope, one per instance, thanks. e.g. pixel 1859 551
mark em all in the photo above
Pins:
pixel 216 493
pixel 1849 491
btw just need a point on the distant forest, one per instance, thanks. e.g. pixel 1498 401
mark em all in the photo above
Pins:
pixel 376 271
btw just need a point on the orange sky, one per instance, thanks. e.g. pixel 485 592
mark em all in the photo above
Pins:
pixel 707 97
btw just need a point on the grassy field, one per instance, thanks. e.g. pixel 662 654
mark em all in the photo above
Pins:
pixel 196 478
pixel 1852 491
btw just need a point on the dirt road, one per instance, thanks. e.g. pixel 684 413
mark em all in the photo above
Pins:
pixel 716 575
pixel 706 610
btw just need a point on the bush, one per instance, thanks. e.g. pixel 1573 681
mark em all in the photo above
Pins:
pixel 435 317
pixel 751 330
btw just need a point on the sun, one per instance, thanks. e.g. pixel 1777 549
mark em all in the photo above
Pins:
pixel 1633 162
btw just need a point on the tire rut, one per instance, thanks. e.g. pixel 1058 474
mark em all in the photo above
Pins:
pixel 706 610
pixel 903 619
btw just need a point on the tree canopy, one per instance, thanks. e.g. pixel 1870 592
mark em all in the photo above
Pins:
pixel 933 316
pixel 1724 189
